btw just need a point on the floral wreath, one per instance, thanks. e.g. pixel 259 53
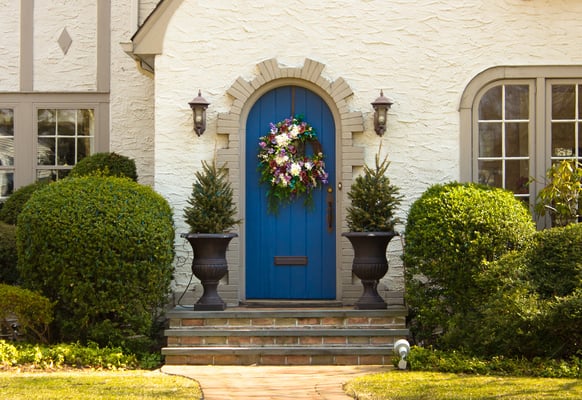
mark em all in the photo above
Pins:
pixel 284 164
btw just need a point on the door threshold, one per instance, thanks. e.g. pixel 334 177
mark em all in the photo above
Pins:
pixel 290 303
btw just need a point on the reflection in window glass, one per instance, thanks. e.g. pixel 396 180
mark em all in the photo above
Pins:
pixel 6 183
pixel 517 102
pixel 517 176
pixel 503 137
pixel 490 135
pixel 6 152
pixel 490 104
pixel 516 139
pixel 563 139
pixel 565 135
pixel 6 122
pixel 563 101
pixel 65 136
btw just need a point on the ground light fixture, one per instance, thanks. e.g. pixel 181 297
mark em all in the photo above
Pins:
pixel 381 106
pixel 199 106
pixel 402 349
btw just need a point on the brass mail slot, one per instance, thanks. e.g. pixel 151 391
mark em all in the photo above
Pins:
pixel 290 260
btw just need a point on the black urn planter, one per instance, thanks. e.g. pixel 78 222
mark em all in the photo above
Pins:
pixel 370 265
pixel 209 265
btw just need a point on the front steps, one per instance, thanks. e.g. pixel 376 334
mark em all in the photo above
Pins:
pixel 283 336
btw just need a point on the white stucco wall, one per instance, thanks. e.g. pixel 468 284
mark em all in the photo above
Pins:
pixel 75 70
pixel 9 50
pixel 422 55
pixel 132 96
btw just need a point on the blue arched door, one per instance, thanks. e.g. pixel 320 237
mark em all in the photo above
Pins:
pixel 290 254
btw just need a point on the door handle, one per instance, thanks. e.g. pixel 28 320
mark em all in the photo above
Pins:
pixel 329 201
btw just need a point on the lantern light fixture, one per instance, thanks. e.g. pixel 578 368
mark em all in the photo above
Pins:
pixel 199 106
pixel 381 106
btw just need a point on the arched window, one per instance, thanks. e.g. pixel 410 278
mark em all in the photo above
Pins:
pixel 516 122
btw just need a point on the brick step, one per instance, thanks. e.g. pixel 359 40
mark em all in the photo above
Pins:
pixel 391 318
pixel 282 336
pixel 279 355
pixel 244 336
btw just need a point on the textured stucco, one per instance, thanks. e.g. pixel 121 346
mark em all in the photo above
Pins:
pixel 131 100
pixel 75 70
pixel 9 50
pixel 422 56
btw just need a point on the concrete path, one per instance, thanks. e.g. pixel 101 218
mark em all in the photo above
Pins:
pixel 273 382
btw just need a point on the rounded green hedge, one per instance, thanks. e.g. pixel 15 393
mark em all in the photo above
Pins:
pixel 8 254
pixel 451 229
pixel 535 305
pixel 109 164
pixel 102 249
pixel 15 203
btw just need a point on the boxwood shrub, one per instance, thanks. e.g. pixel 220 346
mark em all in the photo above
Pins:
pixel 8 255
pixel 110 164
pixel 14 204
pixel 101 248
pixel 32 312
pixel 451 229
pixel 536 309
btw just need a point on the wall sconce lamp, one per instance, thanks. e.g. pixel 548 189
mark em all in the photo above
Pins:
pixel 381 106
pixel 199 106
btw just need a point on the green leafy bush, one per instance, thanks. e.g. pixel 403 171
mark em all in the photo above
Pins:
pixel 105 164
pixel 451 229
pixel 15 203
pixel 555 261
pixel 536 309
pixel 8 255
pixel 32 311
pixel 65 355
pixel 427 359
pixel 102 249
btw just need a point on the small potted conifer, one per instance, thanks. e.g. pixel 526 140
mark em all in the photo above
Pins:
pixel 211 215
pixel 371 220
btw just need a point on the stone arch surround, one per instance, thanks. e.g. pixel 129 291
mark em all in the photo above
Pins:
pixel 270 74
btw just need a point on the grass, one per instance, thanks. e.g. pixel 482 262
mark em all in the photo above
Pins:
pixel 401 385
pixel 93 385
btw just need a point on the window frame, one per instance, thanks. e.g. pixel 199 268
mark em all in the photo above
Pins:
pixel 541 77
pixel 60 106
pixel 476 157
pixel 25 106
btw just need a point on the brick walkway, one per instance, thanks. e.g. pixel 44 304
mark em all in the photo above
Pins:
pixel 272 382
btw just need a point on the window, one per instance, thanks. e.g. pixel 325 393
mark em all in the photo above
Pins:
pixel 43 135
pixel 517 121
pixel 6 152
pixel 64 137
pixel 566 120
pixel 503 130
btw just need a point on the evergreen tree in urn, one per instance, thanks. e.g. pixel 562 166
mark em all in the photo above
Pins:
pixel 211 214
pixel 371 219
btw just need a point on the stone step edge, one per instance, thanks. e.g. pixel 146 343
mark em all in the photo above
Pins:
pixel 281 331
pixel 279 350
pixel 399 311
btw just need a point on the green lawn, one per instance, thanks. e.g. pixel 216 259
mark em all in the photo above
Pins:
pixel 92 385
pixel 401 385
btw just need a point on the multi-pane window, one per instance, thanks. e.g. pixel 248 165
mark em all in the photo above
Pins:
pixel 503 138
pixel 566 122
pixel 518 122
pixel 6 152
pixel 64 137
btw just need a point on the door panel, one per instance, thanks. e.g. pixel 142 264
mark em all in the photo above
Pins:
pixel 290 255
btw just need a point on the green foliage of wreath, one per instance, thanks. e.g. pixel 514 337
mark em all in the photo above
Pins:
pixel 286 167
